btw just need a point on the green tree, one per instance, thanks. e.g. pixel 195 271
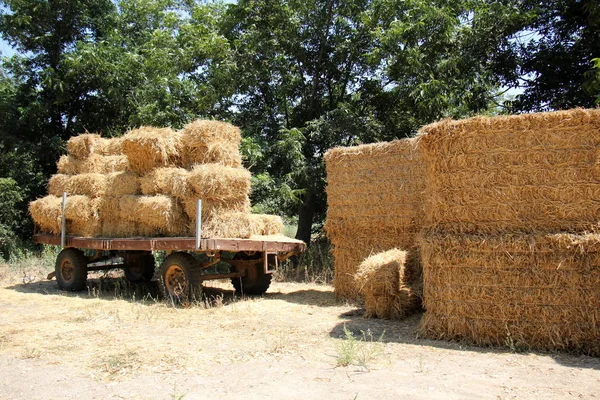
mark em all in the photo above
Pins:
pixel 556 53
pixel 315 74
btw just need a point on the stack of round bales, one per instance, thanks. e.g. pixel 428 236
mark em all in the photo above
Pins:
pixel 508 250
pixel 147 183
pixel 374 197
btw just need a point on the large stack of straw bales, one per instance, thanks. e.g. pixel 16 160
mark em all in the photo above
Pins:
pixel 508 256
pixel 147 182
pixel 374 196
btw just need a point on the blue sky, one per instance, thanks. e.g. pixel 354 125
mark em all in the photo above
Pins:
pixel 6 49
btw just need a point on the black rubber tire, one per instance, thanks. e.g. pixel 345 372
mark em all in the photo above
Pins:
pixel 256 283
pixel 180 278
pixel 71 270
pixel 139 267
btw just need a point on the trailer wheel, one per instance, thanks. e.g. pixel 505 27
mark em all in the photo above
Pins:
pixel 180 278
pixel 255 281
pixel 71 270
pixel 139 267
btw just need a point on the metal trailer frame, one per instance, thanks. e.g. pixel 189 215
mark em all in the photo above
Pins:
pixel 260 255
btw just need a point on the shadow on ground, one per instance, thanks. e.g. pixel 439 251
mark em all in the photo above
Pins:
pixel 405 331
pixel 108 287
pixel 113 286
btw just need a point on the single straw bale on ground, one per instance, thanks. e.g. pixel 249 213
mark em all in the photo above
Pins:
pixel 154 215
pixel 525 173
pixel 375 203
pixel 147 148
pixel 211 142
pixel 389 284
pixel 82 146
pixel 217 182
pixel 537 291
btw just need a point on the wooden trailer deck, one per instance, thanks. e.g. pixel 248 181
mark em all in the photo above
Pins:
pixel 270 244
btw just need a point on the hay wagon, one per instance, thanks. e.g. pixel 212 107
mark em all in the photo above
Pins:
pixel 251 265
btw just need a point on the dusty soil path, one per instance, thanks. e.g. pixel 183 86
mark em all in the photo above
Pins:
pixel 289 344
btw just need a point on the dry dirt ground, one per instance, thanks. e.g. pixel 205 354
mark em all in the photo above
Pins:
pixel 111 343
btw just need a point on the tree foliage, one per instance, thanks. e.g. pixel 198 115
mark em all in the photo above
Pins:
pixel 298 77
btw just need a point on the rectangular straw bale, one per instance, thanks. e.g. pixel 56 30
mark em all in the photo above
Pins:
pixel 95 163
pixel 92 185
pixel 217 182
pixel 147 148
pixel 233 224
pixel 68 165
pixel 349 252
pixel 82 217
pixel 109 146
pixel 267 225
pixel 538 291
pixel 212 207
pixel 170 181
pixel 525 173
pixel 58 184
pixel 375 203
pixel 211 142
pixel 82 146
pixel 389 284
pixel 154 215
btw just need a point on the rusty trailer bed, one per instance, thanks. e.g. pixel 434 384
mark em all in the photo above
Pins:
pixel 270 244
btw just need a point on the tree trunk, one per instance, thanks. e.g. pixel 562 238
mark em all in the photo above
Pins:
pixel 305 218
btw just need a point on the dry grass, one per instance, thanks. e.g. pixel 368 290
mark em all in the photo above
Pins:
pixel 374 197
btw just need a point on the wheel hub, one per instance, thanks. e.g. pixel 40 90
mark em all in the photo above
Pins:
pixel 175 280
pixel 67 271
